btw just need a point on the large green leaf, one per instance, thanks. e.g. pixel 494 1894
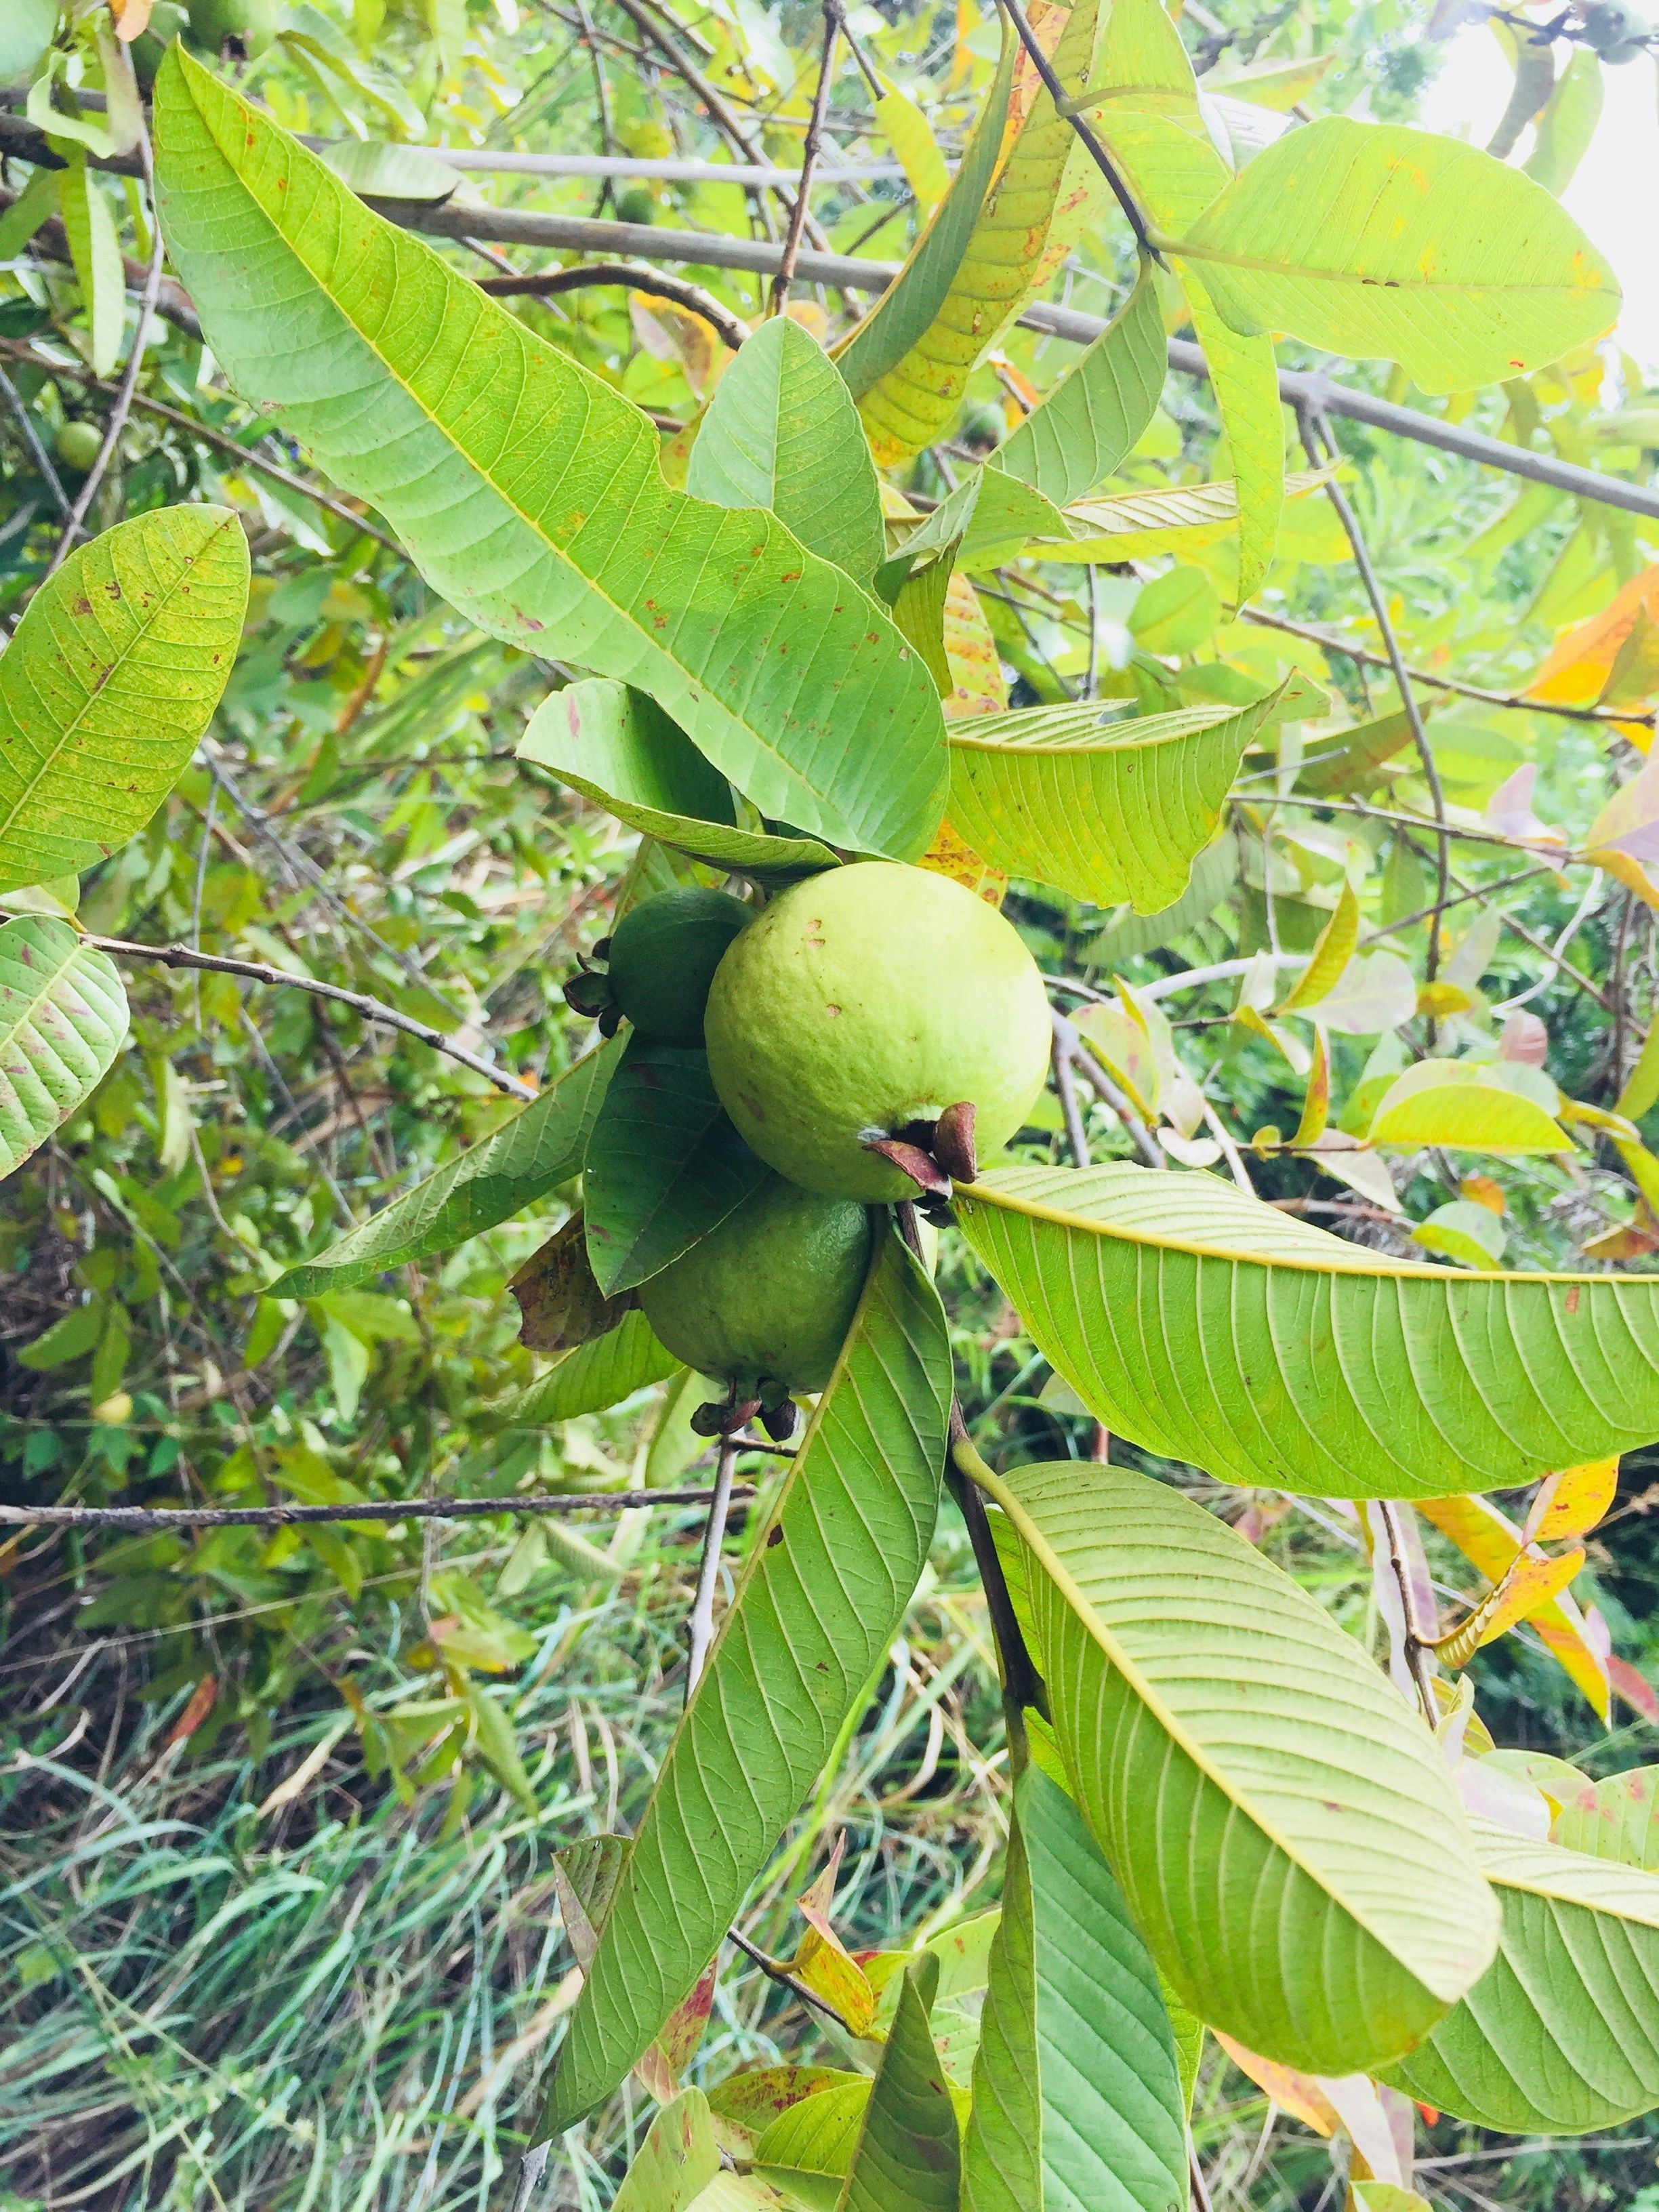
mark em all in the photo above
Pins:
pixel 110 678
pixel 1094 417
pixel 818 1602
pixel 1285 1830
pixel 1369 238
pixel 530 492
pixel 665 1165
pixel 1078 2102
pixel 1105 809
pixel 63 1019
pixel 1561 2034
pixel 542 1146
pixel 782 432
pixel 1140 526
pixel 597 1375
pixel 809 2149
pixel 618 748
pixel 907 308
pixel 1205 1325
pixel 909 2158
pixel 1045 193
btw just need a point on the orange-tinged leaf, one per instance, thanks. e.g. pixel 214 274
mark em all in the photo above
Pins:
pixel 1316 1106
pixel 977 683
pixel 1572 1503
pixel 1580 663
pixel 1490 1541
pixel 1299 2094
pixel 1637 1692
pixel 1530 1583
pixel 131 18
pixel 822 1961
pixel 950 854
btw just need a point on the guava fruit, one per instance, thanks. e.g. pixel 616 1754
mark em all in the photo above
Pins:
pixel 252 24
pixel 765 1301
pixel 78 445
pixel 663 957
pixel 865 1000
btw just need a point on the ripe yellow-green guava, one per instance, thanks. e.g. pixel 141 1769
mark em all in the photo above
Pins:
pixel 663 957
pixel 769 1297
pixel 864 998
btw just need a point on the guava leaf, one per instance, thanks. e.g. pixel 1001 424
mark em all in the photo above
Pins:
pixel 560 1304
pixel 63 1019
pixel 676 2162
pixel 586 1380
pixel 665 1166
pixel 1094 416
pixel 110 678
pixel 529 491
pixel 782 432
pixel 1044 194
pixel 808 2149
pixel 1140 526
pixel 618 748
pixel 1286 1834
pixel 1465 1108
pixel 1561 2034
pixel 908 2157
pixel 1370 240
pixel 824 1592
pixel 1207 1326
pixel 1617 1819
pixel 907 310
pixel 1078 2098
pixel 1107 810
pixel 542 1146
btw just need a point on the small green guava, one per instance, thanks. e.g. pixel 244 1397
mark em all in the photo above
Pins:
pixel 252 24
pixel 663 957
pixel 768 1297
pixel 863 1000
pixel 78 445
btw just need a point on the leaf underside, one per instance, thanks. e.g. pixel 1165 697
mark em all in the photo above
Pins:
pixel 63 1019
pixel 1204 1325
pixel 817 1604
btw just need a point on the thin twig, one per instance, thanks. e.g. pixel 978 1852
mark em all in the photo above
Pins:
pixel 242 455
pixel 155 1517
pixel 1102 159
pixel 1417 1649
pixel 638 274
pixel 38 453
pixel 601 94
pixel 968 1474
pixel 129 384
pixel 702 1622
pixel 775 1971
pixel 1316 431
pixel 372 1010
pixel 1070 1044
pixel 1516 699
pixel 1071 1112
pixel 792 238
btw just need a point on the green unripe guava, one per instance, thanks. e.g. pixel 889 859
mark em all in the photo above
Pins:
pixel 769 1297
pixel 636 203
pixel 253 23
pixel 167 21
pixel 78 445
pixel 663 957
pixel 865 998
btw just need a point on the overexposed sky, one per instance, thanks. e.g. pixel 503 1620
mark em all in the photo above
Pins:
pixel 1615 194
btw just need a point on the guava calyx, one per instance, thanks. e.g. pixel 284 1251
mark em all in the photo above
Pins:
pixel 934 1154
pixel 724 1417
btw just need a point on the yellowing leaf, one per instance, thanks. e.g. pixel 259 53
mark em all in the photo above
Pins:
pixel 1139 525
pixel 911 137
pixel 1490 1541
pixel 1580 663
pixel 1317 1104
pixel 1572 1503
pixel 1293 2092
pixel 1465 1107
pixel 1528 1585
pixel 1332 950
pixel 1369 238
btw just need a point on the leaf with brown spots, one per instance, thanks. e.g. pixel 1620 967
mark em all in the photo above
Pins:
pixel 111 679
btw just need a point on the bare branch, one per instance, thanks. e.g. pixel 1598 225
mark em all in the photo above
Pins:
pixel 156 1518
pixel 809 160
pixel 638 274
pixel 702 1623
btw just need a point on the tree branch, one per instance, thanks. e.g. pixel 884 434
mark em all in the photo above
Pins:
pixel 1418 1657
pixel 702 1623
pixel 372 1010
pixel 786 270
pixel 640 275
pixel 153 1518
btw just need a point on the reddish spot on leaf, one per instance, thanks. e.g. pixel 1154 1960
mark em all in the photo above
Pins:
pixel 1572 1299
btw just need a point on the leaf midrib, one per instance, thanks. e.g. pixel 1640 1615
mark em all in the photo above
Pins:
pixel 1030 748
pixel 1301 272
pixel 502 319
pixel 72 728
pixel 1387 1270
pixel 1096 1628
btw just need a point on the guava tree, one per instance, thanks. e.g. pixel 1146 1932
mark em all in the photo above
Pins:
pixel 817 1032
